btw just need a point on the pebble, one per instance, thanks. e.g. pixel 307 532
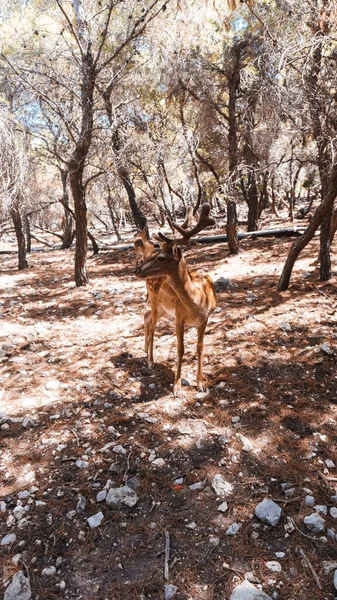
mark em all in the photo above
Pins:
pixel 221 487
pixel 158 462
pixel 48 571
pixel 170 591
pixel 289 526
pixel 119 449
pixel 285 326
pixel 329 463
pixel 268 512
pixel 335 580
pixel 233 529
pixel 223 507
pixel 81 464
pixel 236 419
pixel 247 591
pixel 123 495
pixel 199 485
pixel 274 566
pixel 333 512
pixel 2 506
pixel 315 523
pixel 24 494
pixel 19 588
pixel 247 445
pixel 81 504
pixel 214 541
pixel 309 501
pixel 8 539
pixel 95 520
pixel 223 284
pixel 280 554
pixel 101 496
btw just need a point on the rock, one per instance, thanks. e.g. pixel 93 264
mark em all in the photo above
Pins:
pixel 329 463
pixel 48 571
pixel 53 384
pixel 247 445
pixel 333 512
pixel 335 580
pixel 223 507
pixel 82 464
pixel 18 512
pixel 95 520
pixel 214 541
pixel 221 487
pixel 199 485
pixel 326 349
pixel 285 326
pixel 123 495
pixel 223 284
pixel 8 539
pixel 119 449
pixel 236 419
pixel 289 492
pixel 19 588
pixel 289 526
pixel 274 566
pixel 101 496
pixel 233 529
pixel 158 462
pixel 268 512
pixel 170 591
pixel 315 523
pixel 81 504
pixel 280 554
pixel 247 591
pixel 185 382
pixel 23 495
pixel 309 501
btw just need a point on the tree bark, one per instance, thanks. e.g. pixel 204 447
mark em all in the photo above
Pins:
pixel 231 227
pixel 17 222
pixel 253 203
pixel 321 212
pixel 28 234
pixel 325 258
pixel 68 220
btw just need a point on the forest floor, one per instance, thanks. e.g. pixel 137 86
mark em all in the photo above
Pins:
pixel 75 385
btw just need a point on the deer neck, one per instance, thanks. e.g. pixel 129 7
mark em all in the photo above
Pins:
pixel 182 283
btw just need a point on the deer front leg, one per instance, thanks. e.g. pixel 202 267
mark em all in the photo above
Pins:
pixel 147 322
pixel 200 348
pixel 154 316
pixel 180 325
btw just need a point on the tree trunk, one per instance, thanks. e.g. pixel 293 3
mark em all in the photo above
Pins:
pixel 68 220
pixel 253 204
pixel 81 249
pixel 231 227
pixel 112 214
pixel 17 221
pixel 28 234
pixel 325 260
pixel 321 212
pixel 95 247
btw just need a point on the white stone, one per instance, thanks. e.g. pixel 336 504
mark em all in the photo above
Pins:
pixel 247 445
pixel 24 494
pixel 8 539
pixel 333 512
pixel 309 501
pixel 285 326
pixel 95 520
pixel 221 487
pixel 19 588
pixel 247 591
pixel 269 512
pixel 81 464
pixel 170 591
pixel 274 566
pixel 52 385
pixel 197 486
pixel 49 571
pixel 280 554
pixel 101 496
pixel 233 529
pixel 158 462
pixel 123 495
pixel 335 580
pixel 315 523
pixel 214 541
pixel 223 507
pixel 236 419
pixel 119 449
pixel 329 463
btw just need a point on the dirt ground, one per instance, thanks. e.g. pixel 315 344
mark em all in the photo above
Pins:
pixel 72 365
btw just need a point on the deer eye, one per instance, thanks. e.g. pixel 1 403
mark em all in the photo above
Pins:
pixel 161 257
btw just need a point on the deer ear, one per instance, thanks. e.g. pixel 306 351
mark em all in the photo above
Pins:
pixel 177 253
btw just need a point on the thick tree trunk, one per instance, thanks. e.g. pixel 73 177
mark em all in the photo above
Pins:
pixel 231 227
pixel 17 222
pixel 81 249
pixel 325 259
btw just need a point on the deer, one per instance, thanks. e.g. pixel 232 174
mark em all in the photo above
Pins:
pixel 174 291
pixel 143 248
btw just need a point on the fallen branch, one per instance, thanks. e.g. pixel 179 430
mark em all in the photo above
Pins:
pixel 314 574
pixel 167 555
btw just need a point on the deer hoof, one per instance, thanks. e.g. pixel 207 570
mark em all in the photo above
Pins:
pixel 177 389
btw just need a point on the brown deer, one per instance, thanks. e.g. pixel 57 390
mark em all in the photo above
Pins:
pixel 143 248
pixel 174 291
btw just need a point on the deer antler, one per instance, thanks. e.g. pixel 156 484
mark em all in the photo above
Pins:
pixel 204 221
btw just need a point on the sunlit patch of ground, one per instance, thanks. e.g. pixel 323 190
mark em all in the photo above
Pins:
pixel 72 362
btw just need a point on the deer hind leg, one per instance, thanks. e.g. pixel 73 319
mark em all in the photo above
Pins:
pixel 200 348
pixel 152 322
pixel 180 325
pixel 147 323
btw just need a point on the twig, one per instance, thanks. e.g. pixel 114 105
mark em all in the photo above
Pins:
pixel 314 574
pixel 167 555
pixel 76 436
pixel 323 293
pixel 68 458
